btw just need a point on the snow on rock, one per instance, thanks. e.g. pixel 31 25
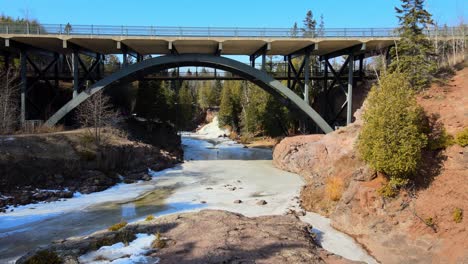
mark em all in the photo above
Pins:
pixel 119 253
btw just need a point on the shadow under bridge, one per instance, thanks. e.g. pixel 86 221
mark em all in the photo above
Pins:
pixel 258 77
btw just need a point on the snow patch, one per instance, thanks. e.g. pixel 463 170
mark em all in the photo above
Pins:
pixel 335 241
pixel 119 253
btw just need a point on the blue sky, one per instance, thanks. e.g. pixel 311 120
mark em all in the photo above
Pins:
pixel 233 13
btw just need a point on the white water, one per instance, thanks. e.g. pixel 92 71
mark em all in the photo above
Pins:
pixel 213 168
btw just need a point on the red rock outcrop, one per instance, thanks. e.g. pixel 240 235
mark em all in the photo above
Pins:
pixel 416 227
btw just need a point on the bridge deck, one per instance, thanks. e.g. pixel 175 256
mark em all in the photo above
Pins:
pixel 157 40
pixel 201 45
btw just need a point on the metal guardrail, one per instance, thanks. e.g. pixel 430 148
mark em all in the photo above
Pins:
pixel 155 31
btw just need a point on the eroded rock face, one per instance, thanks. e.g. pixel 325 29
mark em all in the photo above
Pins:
pixel 213 236
pixel 320 157
pixel 393 230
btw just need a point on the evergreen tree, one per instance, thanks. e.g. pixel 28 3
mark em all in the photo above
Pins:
pixel 412 55
pixel 230 106
pixel 185 105
pixel 309 25
pixel 151 101
pixel 321 29
pixel 294 30
pixel 203 95
pixel 392 136
pixel 209 94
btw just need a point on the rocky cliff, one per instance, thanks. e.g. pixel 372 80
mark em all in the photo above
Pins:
pixel 416 227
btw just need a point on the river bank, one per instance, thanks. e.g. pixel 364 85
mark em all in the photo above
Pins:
pixel 53 166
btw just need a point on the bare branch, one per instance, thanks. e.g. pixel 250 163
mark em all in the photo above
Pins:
pixel 8 101
pixel 96 113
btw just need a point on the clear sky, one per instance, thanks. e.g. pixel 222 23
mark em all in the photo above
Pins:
pixel 228 13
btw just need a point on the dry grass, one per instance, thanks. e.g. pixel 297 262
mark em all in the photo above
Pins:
pixel 117 226
pixel 158 242
pixel 37 127
pixel 101 258
pixel 149 218
pixel 457 215
pixel 334 188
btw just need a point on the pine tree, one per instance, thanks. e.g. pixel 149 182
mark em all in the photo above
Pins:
pixel 321 29
pixel 392 137
pixel 309 25
pixel 413 53
pixel 230 106
pixel 294 30
pixel 185 106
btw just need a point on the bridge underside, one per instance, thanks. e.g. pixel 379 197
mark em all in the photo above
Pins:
pixel 51 60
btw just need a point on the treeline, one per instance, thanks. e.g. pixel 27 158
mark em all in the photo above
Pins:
pixel 181 103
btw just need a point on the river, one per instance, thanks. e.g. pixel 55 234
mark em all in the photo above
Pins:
pixel 216 172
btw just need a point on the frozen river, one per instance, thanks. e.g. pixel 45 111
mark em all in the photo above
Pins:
pixel 215 174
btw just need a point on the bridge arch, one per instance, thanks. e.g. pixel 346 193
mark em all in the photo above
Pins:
pixel 260 78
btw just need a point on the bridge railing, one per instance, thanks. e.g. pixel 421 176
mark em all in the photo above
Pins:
pixel 155 31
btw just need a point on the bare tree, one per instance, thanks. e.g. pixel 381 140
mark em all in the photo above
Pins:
pixel 8 102
pixel 96 113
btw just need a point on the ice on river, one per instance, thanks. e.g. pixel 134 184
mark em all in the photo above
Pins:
pixel 120 253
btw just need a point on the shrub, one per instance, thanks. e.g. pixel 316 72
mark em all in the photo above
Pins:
pixel 158 242
pixel 457 215
pixel 437 135
pixel 125 236
pixel 246 138
pixel 462 137
pixel 391 188
pixel 149 218
pixel 87 155
pixel 86 139
pixel 392 136
pixel 442 140
pixel 334 188
pixel 44 257
pixel 429 222
pixel 117 226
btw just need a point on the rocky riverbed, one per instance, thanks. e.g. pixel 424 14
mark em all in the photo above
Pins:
pixel 218 174
pixel 206 237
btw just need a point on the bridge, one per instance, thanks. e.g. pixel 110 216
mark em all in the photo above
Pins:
pixel 157 49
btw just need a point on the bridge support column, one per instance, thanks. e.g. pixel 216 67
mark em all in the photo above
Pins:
pixel 99 64
pixel 124 59
pixel 287 59
pixel 361 66
pixel 76 73
pixel 139 57
pixel 56 70
pixel 262 51
pixel 306 75
pixel 6 61
pixel 263 61
pixel 24 84
pixel 349 95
